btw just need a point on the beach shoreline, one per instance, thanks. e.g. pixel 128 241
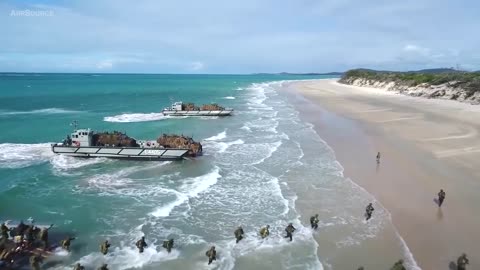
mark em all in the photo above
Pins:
pixel 425 144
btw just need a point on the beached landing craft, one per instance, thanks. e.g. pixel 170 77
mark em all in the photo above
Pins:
pixel 87 143
pixel 189 109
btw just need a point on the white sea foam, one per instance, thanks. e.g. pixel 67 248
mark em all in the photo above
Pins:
pixel 272 147
pixel 207 117
pixel 15 155
pixel 219 136
pixel 41 111
pixel 229 97
pixel 223 146
pixel 64 164
pixel 191 188
pixel 126 257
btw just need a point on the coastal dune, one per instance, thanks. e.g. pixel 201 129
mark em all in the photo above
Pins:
pixel 426 145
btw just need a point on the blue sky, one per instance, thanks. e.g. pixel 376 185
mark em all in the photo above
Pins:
pixel 245 36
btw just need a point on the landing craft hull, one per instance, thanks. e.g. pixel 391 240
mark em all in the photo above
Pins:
pixel 197 113
pixel 127 153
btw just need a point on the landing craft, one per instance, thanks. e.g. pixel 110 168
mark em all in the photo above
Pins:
pixel 189 109
pixel 89 144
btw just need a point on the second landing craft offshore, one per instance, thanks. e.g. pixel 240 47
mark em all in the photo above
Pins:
pixel 87 143
pixel 189 109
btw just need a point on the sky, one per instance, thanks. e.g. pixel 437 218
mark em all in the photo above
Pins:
pixel 232 37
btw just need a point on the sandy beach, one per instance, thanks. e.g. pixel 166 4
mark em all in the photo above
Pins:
pixel 426 145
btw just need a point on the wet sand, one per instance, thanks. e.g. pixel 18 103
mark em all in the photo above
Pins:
pixel 426 145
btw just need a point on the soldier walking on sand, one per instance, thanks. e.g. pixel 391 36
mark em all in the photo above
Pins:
pixel 378 158
pixel 239 234
pixel 168 244
pixel 398 266
pixel 441 197
pixel 462 262
pixel 264 232
pixel 290 229
pixel 369 211
pixel 314 221
pixel 211 254
pixel 141 244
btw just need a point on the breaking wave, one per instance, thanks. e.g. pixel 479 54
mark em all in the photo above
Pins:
pixel 229 97
pixel 219 136
pixel 18 155
pixel 190 189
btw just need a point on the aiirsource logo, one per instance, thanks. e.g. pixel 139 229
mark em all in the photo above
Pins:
pixel 32 13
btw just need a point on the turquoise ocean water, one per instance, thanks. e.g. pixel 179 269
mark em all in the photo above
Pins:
pixel 242 179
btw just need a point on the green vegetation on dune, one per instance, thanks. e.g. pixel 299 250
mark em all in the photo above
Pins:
pixel 468 81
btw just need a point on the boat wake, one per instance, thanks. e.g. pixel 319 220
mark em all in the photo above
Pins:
pixel 139 117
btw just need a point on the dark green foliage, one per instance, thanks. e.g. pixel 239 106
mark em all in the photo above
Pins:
pixel 470 81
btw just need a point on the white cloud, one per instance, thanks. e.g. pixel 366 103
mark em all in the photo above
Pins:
pixel 416 49
pixel 410 48
pixel 105 64
pixel 196 66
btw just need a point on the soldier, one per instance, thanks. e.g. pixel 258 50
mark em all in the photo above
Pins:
pixel 290 229
pixel 378 158
pixel 264 232
pixel 239 234
pixel 462 262
pixel 104 247
pixel 5 231
pixel 168 244
pixel 66 243
pixel 211 254
pixel 29 234
pixel 78 266
pixel 103 267
pixel 314 221
pixel 44 237
pixel 7 255
pixel 35 261
pixel 441 197
pixel 141 244
pixel 369 211
pixel 21 228
pixel 398 266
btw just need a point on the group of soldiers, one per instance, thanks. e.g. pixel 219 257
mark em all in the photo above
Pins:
pixel 27 240
pixel 462 261
pixel 21 241
pixel 140 244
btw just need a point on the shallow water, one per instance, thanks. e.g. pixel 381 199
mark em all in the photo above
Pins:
pixel 255 167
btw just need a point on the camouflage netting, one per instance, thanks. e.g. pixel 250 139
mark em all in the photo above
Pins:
pixel 113 139
pixel 190 107
pixel 212 107
pixel 177 141
pixel 206 107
